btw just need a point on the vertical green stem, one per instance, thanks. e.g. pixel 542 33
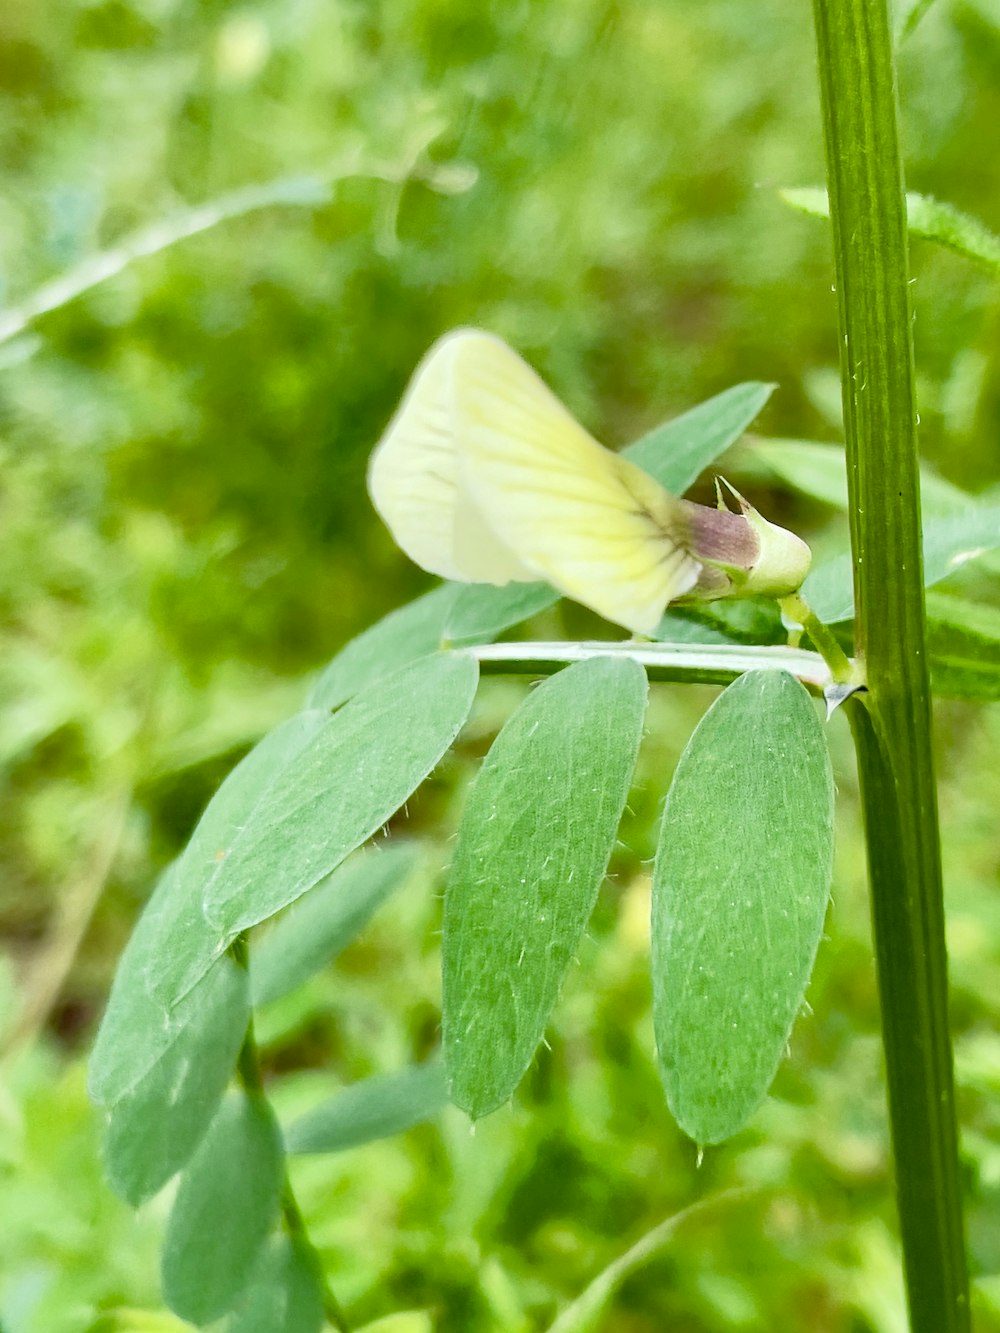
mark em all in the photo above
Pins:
pixel 892 725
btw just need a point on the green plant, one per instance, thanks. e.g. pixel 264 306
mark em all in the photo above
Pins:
pixel 179 1021
pixel 745 853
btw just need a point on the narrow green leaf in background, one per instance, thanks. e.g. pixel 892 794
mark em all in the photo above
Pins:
pixel 925 217
pixel 677 452
pixel 949 541
pixel 539 826
pixel 740 890
pixel 154 1129
pixel 228 1202
pixel 963 642
pixel 325 921
pixel 820 470
pixel 376 1108
pixel 286 1295
pixel 354 774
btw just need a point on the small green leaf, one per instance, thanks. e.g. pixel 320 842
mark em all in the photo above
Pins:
pixel 538 829
pixel 411 631
pixel 134 1034
pixel 286 1295
pixel 677 452
pixel 228 1202
pixel 325 921
pixel 820 470
pixel 949 541
pixel 481 611
pixel 376 1108
pixel 451 615
pixel 963 643
pixel 926 217
pixel 156 1126
pixel 341 787
pixel 740 889
pixel 751 620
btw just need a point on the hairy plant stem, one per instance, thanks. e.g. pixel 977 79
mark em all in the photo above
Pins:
pixel 891 722
pixel 249 1075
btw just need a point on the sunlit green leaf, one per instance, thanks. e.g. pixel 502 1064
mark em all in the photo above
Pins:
pixel 341 787
pixel 677 452
pixel 538 829
pixel 403 1321
pixel 949 541
pixel 286 1294
pixel 376 1108
pixel 227 1204
pixel 740 889
pixel 156 1126
pixel 322 923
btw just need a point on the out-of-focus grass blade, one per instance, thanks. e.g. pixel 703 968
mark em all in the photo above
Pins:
pixel 325 921
pixel 376 1108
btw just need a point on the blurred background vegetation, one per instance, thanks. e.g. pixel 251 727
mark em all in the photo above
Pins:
pixel 186 538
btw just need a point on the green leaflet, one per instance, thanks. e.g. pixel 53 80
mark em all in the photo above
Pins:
pixel 740 889
pixel 319 925
pixel 820 470
pixel 155 1127
pixel 302 819
pixel 228 1201
pixel 538 829
pixel 949 541
pixel 376 1108
pixel 677 452
pixel 285 1295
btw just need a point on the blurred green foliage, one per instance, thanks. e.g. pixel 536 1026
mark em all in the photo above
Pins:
pixel 185 535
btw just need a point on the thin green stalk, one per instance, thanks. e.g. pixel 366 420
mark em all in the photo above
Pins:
pixel 692 663
pixel 249 1074
pixel 892 722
